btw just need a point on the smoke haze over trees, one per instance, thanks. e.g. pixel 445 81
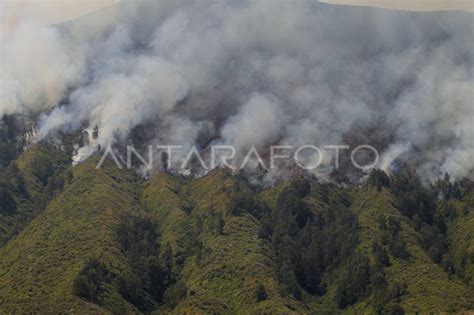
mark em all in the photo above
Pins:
pixel 254 73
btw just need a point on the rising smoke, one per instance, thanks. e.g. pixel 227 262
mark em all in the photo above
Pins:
pixel 255 73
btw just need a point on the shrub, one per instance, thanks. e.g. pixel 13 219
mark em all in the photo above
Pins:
pixel 379 179
pixel 7 203
pixel 89 283
pixel 261 293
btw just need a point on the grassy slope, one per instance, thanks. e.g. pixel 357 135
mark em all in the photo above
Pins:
pixel 232 264
pixel 38 267
pixel 430 289
pixel 11 223
pixel 161 196
pixel 461 236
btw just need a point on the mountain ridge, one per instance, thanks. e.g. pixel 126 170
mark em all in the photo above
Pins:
pixel 224 246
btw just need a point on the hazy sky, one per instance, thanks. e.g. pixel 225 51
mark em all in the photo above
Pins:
pixel 55 11
pixel 415 5
pixel 48 11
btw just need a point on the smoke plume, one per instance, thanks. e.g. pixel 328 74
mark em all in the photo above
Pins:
pixel 255 73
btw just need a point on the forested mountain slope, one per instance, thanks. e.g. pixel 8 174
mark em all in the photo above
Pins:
pixel 81 240
pixel 26 186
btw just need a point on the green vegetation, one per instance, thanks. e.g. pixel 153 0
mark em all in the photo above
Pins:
pixel 81 240
pixel 10 142
pixel 28 184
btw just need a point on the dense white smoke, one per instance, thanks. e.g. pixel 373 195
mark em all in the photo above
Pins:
pixel 257 73
pixel 38 66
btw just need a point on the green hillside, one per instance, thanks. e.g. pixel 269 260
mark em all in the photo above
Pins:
pixel 39 266
pixel 27 185
pixel 220 260
pixel 106 241
pixel 426 287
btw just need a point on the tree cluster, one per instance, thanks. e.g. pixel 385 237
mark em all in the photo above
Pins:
pixel 150 274
pixel 307 244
